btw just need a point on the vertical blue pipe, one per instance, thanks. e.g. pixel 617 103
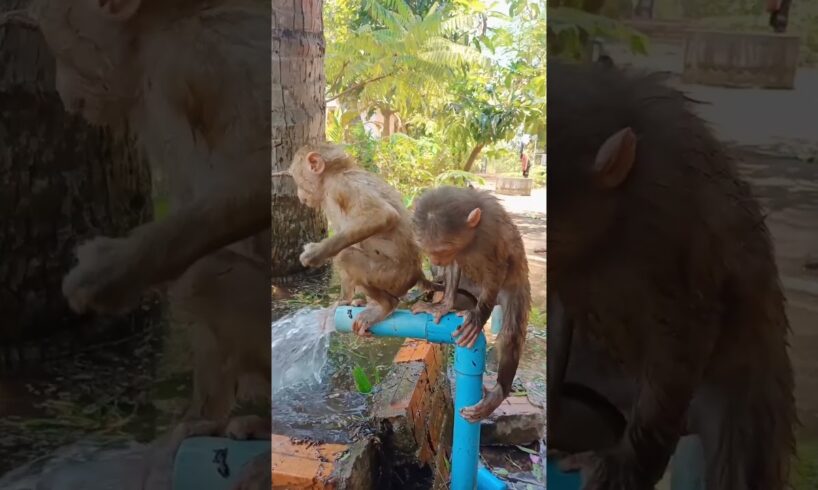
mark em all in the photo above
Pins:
pixel 687 467
pixel 496 319
pixel 468 368
pixel 469 364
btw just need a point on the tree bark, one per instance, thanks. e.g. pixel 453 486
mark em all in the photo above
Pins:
pixel 473 157
pixel 298 87
pixel 62 181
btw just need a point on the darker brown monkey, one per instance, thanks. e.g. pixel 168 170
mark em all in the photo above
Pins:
pixel 660 256
pixel 469 232
pixel 373 246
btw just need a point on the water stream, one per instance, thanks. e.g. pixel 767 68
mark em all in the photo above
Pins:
pixel 300 343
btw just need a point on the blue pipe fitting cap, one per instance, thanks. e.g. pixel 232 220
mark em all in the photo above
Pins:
pixel 556 479
pixel 213 463
pixel 487 481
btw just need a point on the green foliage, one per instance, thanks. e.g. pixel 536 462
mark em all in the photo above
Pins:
pixel 480 114
pixel 399 53
pixel 537 318
pixel 570 32
pixel 538 173
pixel 805 472
pixel 362 383
pixel 458 178
pixel 460 76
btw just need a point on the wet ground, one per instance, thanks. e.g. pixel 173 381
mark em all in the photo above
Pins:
pixel 335 410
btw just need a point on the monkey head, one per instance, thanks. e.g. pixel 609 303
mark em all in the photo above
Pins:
pixel 447 221
pixel 96 49
pixel 311 164
pixel 586 187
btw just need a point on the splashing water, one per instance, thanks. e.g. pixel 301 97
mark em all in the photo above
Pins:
pixel 300 342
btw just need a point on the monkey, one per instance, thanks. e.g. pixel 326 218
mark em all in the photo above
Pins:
pixel 373 246
pixel 660 258
pixel 210 97
pixel 469 232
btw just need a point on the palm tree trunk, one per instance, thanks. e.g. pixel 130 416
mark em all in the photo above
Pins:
pixel 62 181
pixel 475 152
pixel 298 46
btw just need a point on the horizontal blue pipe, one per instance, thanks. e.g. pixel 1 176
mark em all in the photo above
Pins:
pixel 469 364
pixel 199 465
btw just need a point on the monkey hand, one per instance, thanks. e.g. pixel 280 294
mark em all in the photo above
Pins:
pixel 491 400
pixel 604 471
pixel 364 320
pixel 312 256
pixel 105 277
pixel 437 310
pixel 467 333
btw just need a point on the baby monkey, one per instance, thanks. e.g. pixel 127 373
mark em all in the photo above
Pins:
pixel 468 232
pixel 373 245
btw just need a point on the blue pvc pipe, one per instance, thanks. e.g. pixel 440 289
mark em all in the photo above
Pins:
pixel 496 319
pixel 487 481
pixel 687 467
pixel 556 479
pixel 469 365
pixel 213 463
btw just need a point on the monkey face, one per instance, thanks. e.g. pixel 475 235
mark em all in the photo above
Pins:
pixel 310 191
pixel 98 73
pixel 444 250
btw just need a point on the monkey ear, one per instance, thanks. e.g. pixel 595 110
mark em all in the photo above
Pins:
pixel 118 10
pixel 474 217
pixel 315 162
pixel 615 158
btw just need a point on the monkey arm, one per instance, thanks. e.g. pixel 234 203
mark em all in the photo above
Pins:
pixel 113 272
pixel 369 217
pixel 560 336
pixel 452 283
pixel 169 246
pixel 658 417
pixel 485 303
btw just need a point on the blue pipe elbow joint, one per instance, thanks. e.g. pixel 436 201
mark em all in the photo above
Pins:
pixel 469 364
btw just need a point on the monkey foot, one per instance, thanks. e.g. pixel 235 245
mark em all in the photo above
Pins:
pixel 248 427
pixel 491 400
pixel 351 302
pixel 437 310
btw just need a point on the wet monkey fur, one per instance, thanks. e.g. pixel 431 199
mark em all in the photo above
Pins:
pixel 373 247
pixel 659 256
pixel 468 232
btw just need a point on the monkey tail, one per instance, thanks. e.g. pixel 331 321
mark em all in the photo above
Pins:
pixel 516 307
pixel 756 440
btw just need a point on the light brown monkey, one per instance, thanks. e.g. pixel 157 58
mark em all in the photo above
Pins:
pixel 665 272
pixel 469 231
pixel 202 110
pixel 373 246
